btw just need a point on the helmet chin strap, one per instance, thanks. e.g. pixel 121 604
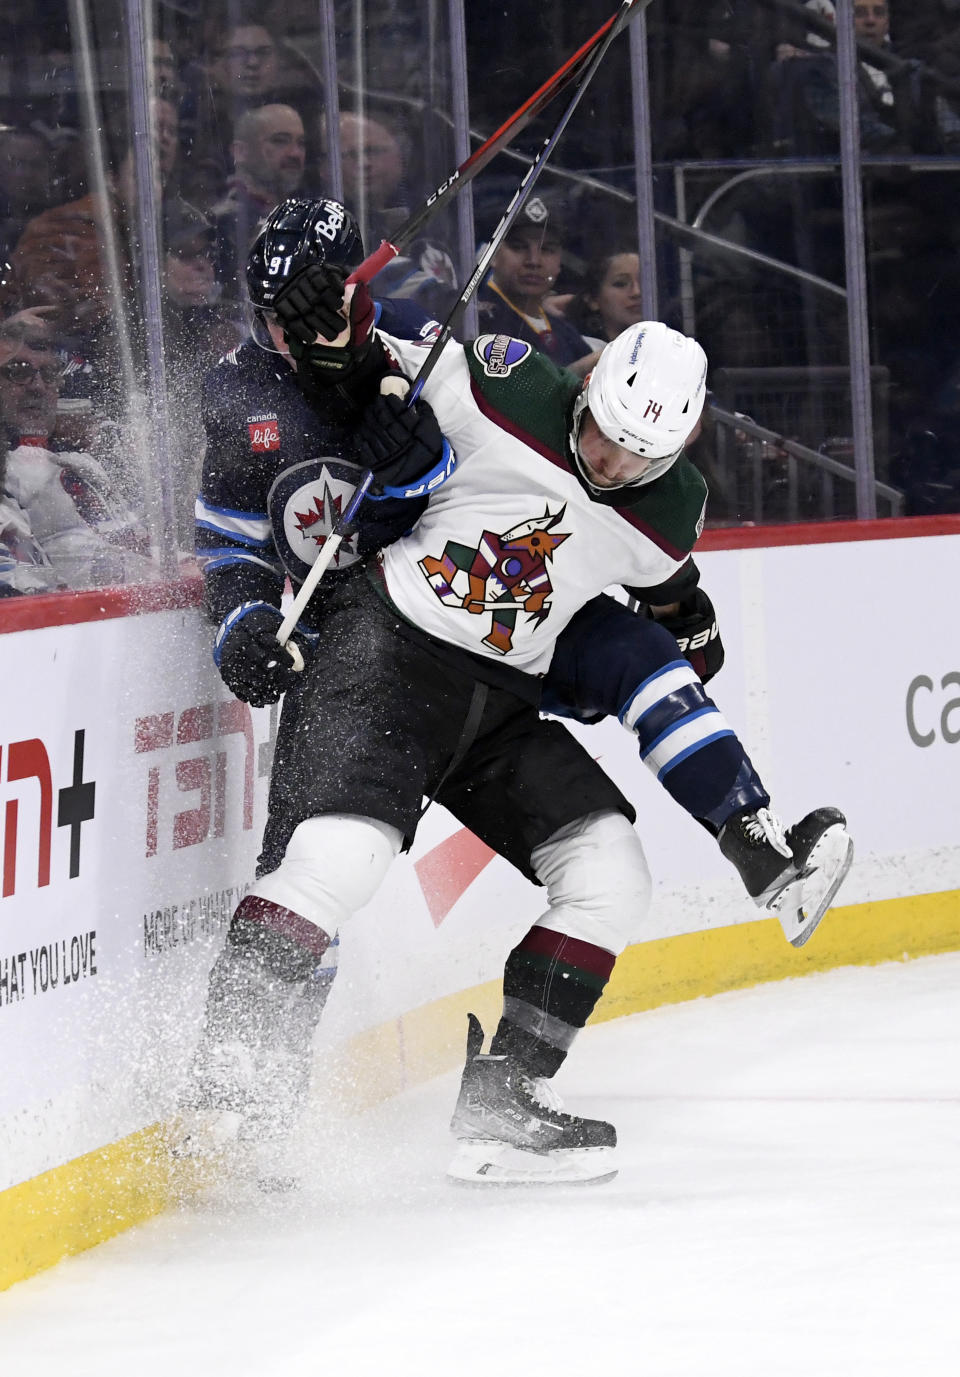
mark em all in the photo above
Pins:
pixel 321 368
pixel 260 334
pixel 576 425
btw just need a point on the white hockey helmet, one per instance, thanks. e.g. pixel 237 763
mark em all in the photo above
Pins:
pixel 646 393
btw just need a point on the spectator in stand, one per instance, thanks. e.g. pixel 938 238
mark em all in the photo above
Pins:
pixel 24 568
pixel 374 159
pixel 166 79
pixel 198 329
pixel 85 528
pixel 246 64
pixel 524 272
pixel 245 69
pixel 269 155
pixel 911 220
pixel 609 300
pixel 59 259
pixel 26 187
pixel 900 109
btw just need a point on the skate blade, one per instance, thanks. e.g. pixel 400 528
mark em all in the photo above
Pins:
pixel 804 902
pixel 481 1163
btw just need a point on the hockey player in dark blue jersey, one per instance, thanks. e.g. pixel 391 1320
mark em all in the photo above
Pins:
pixel 279 461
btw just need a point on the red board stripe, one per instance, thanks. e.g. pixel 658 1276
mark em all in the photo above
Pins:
pixel 35 611
pixel 827 532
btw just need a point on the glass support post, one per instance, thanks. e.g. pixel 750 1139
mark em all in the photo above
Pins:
pixel 646 234
pixel 466 233
pixel 331 113
pixel 856 262
pixel 148 212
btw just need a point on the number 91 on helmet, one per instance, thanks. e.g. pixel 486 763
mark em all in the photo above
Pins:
pixel 296 233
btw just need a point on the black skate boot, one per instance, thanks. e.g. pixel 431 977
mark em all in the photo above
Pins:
pixel 511 1128
pixel 793 875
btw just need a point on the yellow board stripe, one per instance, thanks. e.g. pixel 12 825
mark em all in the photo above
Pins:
pixel 673 969
pixel 75 1206
pixel 84 1202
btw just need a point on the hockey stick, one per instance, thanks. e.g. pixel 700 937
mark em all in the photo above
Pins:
pixel 628 9
pixel 480 157
pixel 585 61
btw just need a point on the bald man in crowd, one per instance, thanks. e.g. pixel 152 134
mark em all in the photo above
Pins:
pixel 269 151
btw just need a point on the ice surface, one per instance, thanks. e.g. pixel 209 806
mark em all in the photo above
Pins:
pixel 787 1203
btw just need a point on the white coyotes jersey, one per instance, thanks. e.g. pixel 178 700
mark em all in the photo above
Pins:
pixel 511 546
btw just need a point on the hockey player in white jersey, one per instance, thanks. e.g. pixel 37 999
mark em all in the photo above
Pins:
pixel 426 677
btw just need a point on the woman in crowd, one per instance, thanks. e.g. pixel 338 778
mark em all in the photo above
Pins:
pixel 610 298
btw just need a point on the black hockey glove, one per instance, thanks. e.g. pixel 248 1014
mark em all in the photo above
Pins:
pixel 252 665
pixel 695 627
pixel 311 304
pixel 402 445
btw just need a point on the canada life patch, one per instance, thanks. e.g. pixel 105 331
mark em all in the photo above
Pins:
pixel 264 432
pixel 500 354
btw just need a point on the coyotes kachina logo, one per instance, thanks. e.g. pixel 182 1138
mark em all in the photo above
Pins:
pixel 504 575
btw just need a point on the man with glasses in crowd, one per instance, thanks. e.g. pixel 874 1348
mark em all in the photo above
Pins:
pixel 75 513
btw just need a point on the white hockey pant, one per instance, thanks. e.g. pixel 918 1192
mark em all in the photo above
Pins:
pixel 333 866
pixel 597 881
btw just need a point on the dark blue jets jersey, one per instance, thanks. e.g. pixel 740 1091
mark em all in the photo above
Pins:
pixel 278 472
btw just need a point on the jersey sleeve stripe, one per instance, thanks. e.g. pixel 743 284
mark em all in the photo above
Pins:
pixel 691 750
pixel 218 559
pixel 253 528
pixel 659 686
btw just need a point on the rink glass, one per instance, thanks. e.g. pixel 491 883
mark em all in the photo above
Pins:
pixel 806 238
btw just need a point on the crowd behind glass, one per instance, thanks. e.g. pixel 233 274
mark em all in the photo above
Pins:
pixel 742 124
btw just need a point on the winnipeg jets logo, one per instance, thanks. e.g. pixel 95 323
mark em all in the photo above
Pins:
pixel 320 520
pixel 305 504
pixel 503 574
pixel 316 522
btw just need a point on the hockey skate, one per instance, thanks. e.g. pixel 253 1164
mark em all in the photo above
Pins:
pixel 251 1071
pixel 791 875
pixel 235 1117
pixel 511 1129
